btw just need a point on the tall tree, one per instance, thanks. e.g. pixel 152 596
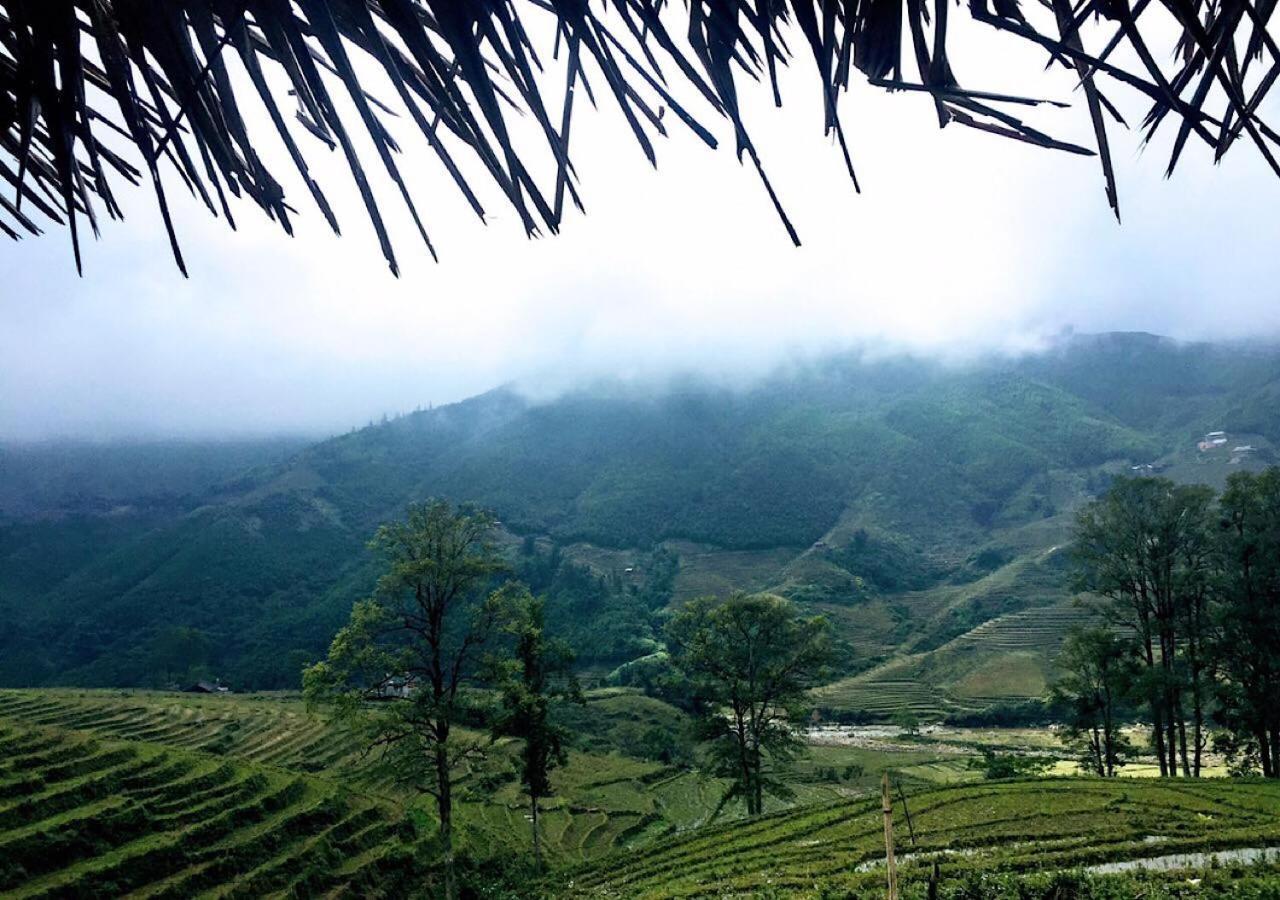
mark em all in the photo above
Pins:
pixel 750 660
pixel 1197 574
pixel 1098 671
pixel 532 680
pixel 1247 648
pixel 1145 547
pixel 417 641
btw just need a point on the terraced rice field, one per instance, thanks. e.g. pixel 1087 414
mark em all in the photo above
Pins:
pixel 1006 658
pixel 602 801
pixel 885 690
pixel 259 730
pixel 1039 630
pixel 82 816
pixel 142 794
pixel 837 849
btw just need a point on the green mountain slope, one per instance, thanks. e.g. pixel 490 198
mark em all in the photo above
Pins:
pixel 910 500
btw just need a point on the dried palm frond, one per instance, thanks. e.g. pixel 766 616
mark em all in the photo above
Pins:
pixel 151 79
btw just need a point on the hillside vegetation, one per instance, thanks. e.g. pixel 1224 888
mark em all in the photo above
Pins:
pixel 85 817
pixel 910 501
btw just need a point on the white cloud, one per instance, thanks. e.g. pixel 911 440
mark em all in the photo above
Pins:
pixel 960 240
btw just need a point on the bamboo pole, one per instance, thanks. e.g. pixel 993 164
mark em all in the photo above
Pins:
pixel 891 864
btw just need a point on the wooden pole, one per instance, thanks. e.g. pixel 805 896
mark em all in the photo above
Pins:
pixel 891 865
pixel 906 811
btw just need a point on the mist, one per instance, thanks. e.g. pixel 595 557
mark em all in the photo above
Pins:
pixel 960 244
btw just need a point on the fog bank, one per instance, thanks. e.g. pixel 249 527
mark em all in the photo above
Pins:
pixel 961 243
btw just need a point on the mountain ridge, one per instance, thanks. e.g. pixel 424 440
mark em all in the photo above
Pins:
pixel 888 494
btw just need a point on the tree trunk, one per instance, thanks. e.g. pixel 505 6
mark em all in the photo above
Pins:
pixel 1197 703
pixel 1182 742
pixel 1264 753
pixel 1275 751
pixel 1180 716
pixel 1158 730
pixel 537 838
pixel 758 786
pixel 1157 720
pixel 1109 735
pixel 1170 714
pixel 1196 638
pixel 444 800
pixel 1096 749
pixel 748 789
pixel 891 864
pixel 744 761
pixel 1173 719
pixel 1269 752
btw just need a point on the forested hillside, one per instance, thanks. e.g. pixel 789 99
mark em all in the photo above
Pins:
pixel 912 501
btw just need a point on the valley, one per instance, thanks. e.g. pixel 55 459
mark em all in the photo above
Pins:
pixel 911 502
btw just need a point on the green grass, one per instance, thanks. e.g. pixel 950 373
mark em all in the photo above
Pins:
pixel 604 799
pixel 1007 658
pixel 708 570
pixel 109 793
pixel 835 850
pixel 84 816
pixel 1018 675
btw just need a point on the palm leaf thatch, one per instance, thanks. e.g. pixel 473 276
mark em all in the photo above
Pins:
pixel 95 92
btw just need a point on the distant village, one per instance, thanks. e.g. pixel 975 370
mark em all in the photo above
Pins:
pixel 1219 440
pixel 1214 445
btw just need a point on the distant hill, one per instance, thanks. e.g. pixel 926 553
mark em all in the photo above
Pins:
pixel 54 479
pixel 911 500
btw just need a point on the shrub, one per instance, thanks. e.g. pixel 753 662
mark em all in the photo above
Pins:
pixel 995 765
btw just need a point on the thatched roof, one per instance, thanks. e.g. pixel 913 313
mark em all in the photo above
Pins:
pixel 95 92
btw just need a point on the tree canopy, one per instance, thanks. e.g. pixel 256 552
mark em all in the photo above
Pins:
pixel 1145 546
pixel 532 681
pixel 749 661
pixel 1248 619
pixel 1193 585
pixel 418 640
pixel 97 91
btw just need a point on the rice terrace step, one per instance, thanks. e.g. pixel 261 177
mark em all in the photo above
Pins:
pixel 83 816
pixel 86 814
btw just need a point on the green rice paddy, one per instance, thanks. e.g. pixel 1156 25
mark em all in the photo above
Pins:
pixel 143 794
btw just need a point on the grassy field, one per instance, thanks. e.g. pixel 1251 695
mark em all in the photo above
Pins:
pixel 837 849
pixel 1007 658
pixel 86 817
pixel 710 570
pixel 604 800
pixel 149 794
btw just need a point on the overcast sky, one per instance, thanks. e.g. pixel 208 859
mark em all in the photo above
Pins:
pixel 960 242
